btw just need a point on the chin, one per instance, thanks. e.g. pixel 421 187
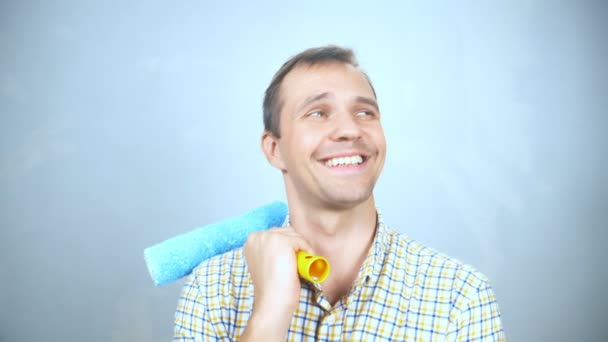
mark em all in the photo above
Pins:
pixel 349 198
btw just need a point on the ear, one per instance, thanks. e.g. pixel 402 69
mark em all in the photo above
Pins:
pixel 270 147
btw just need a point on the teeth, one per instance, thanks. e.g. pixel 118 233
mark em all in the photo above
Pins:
pixel 354 160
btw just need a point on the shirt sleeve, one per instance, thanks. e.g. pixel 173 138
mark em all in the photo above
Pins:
pixel 193 320
pixel 479 320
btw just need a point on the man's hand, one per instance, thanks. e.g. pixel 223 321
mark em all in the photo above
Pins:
pixel 271 260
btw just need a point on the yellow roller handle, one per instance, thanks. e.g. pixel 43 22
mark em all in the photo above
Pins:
pixel 313 268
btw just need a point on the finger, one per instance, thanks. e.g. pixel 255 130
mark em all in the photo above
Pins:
pixel 285 234
pixel 298 243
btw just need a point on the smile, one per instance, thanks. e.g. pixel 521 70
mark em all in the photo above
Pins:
pixel 345 161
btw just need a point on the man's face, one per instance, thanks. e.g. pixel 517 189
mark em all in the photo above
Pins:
pixel 332 145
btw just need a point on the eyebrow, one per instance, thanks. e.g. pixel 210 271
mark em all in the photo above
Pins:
pixel 367 100
pixel 318 97
pixel 312 99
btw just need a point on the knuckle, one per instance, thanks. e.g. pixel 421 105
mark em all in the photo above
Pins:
pixel 251 238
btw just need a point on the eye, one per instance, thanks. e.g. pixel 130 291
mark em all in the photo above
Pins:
pixel 365 113
pixel 317 114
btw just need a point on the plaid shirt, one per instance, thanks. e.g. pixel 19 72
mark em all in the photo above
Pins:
pixel 404 292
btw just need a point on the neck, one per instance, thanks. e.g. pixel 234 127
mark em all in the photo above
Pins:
pixel 343 236
pixel 332 231
pixel 327 228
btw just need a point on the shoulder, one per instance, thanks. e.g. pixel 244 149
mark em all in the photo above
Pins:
pixel 215 299
pixel 219 277
pixel 427 268
pixel 460 297
pixel 221 267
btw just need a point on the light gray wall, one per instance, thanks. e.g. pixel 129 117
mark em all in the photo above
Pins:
pixel 125 123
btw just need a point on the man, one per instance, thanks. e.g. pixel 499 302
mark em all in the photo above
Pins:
pixel 323 131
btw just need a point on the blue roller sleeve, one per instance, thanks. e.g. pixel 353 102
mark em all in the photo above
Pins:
pixel 178 256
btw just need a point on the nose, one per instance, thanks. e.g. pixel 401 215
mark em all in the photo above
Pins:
pixel 346 127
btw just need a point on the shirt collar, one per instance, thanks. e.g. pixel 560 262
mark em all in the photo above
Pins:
pixel 372 264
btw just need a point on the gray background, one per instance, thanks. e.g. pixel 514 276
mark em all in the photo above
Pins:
pixel 125 123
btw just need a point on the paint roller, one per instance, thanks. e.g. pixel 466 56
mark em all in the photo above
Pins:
pixel 175 258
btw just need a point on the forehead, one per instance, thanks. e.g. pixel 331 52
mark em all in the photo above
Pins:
pixel 332 77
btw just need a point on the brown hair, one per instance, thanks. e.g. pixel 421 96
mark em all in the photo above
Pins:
pixel 313 56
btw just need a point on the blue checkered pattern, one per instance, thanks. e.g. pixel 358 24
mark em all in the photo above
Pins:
pixel 404 292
